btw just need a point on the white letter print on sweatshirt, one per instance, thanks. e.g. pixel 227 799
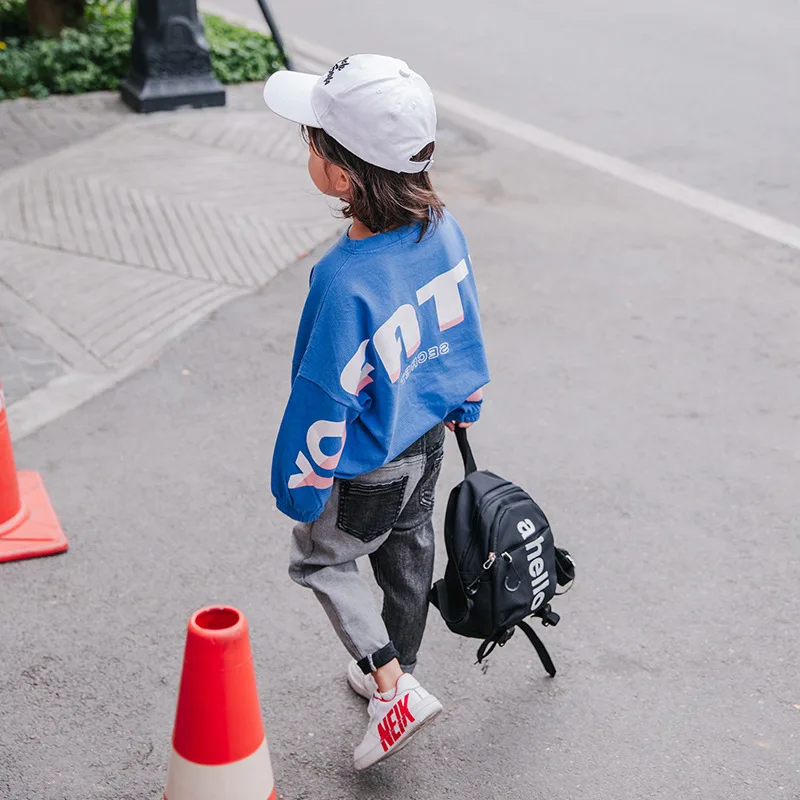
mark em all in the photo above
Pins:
pixel 446 295
pixel 402 325
pixel 399 333
pixel 355 376
pixel 322 429
pixel 401 330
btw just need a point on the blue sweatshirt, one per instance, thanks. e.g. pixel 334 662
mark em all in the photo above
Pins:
pixel 389 345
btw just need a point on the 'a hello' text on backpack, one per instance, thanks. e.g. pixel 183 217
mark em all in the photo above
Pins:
pixel 503 565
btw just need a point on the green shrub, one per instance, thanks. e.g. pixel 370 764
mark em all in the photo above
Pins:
pixel 238 54
pixel 96 56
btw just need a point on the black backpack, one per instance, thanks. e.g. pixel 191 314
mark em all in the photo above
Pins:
pixel 503 565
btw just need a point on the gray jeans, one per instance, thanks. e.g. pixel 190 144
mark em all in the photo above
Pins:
pixel 386 515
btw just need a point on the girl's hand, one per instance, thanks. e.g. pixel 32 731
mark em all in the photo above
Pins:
pixel 451 426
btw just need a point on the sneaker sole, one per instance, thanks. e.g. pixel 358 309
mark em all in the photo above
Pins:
pixel 427 712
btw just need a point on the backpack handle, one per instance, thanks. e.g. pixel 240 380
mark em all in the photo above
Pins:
pixel 466 451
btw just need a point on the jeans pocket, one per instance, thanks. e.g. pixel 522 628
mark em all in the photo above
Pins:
pixel 369 510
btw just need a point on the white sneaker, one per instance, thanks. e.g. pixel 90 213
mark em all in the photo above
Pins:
pixel 393 723
pixel 359 682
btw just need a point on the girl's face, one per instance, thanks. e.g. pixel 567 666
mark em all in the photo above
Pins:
pixel 328 178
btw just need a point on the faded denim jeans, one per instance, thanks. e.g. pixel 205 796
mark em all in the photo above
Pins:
pixel 386 515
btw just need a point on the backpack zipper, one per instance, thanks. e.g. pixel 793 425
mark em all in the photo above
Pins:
pixel 513 549
pixel 509 559
pixel 496 532
pixel 491 496
pixel 492 556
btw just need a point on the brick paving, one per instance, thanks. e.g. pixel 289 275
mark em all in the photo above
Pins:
pixel 35 128
pixel 118 232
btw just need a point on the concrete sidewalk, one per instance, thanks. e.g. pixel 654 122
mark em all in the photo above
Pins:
pixel 118 233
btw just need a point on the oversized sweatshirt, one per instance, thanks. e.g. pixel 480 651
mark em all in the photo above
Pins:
pixel 389 344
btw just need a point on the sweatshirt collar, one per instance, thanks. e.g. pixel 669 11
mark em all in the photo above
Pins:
pixel 379 240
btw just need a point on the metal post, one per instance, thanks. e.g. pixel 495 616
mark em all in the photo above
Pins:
pixel 170 59
pixel 276 34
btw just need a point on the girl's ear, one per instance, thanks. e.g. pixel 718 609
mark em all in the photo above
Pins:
pixel 341 182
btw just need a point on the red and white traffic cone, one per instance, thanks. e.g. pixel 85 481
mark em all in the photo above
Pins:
pixel 219 750
pixel 28 525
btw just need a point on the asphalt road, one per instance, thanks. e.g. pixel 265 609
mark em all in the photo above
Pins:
pixel 645 391
pixel 704 92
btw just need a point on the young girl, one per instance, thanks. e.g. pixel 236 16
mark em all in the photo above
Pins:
pixel 389 350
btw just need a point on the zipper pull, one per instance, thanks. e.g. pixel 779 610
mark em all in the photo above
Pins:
pixel 509 559
pixel 489 561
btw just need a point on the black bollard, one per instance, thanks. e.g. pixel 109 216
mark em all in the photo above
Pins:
pixel 170 59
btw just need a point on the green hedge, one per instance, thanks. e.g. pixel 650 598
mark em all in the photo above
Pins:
pixel 96 56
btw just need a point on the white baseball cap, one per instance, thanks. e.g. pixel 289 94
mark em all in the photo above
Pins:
pixel 375 106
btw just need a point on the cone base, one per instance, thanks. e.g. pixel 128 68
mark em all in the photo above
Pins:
pixel 273 796
pixel 37 532
pixel 248 779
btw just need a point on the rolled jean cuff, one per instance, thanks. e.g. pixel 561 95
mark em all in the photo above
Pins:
pixel 380 658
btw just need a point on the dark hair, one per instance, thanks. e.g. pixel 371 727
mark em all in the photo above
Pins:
pixel 380 198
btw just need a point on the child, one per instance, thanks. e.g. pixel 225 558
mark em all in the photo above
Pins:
pixel 388 349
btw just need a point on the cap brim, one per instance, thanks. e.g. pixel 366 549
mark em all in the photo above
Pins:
pixel 288 94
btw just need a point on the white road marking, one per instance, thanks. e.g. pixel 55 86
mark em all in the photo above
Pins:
pixel 315 58
pixel 746 218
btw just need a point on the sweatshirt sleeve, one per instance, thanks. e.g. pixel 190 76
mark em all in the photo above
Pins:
pixel 307 451
pixel 469 410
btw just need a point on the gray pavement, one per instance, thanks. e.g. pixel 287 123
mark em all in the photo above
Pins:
pixel 126 231
pixel 26 364
pixel 35 128
pixel 645 391
pixel 704 92
pixel 32 129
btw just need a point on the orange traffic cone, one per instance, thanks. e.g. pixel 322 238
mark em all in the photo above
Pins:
pixel 219 751
pixel 28 525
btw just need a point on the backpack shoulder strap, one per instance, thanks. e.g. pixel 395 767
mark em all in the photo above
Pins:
pixel 487 645
pixel 466 451
pixel 538 645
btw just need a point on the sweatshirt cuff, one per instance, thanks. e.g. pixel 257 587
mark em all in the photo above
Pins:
pixel 297 514
pixel 468 412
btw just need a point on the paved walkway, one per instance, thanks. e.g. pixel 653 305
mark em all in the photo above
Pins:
pixel 120 232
